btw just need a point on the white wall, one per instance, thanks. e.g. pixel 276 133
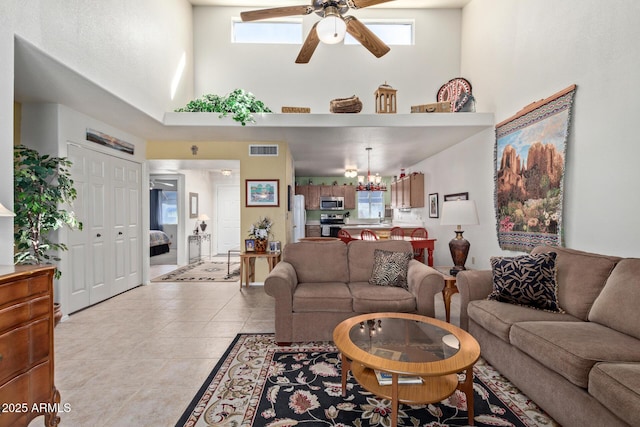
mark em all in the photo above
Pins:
pixel 130 48
pixel 270 71
pixel 518 52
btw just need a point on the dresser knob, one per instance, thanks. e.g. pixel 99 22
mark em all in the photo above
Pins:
pixel 98 235
pixel 1 357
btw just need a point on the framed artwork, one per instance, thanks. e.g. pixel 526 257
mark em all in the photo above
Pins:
pixel 529 168
pixel 274 246
pixel 109 141
pixel 456 196
pixel 262 192
pixel 193 205
pixel 433 205
pixel 249 245
pixel 289 197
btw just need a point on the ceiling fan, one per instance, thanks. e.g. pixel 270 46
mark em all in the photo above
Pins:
pixel 331 29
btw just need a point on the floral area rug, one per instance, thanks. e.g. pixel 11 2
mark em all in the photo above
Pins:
pixel 203 272
pixel 258 383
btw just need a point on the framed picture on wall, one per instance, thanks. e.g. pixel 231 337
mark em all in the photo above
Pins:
pixel 456 196
pixel 433 205
pixel 262 192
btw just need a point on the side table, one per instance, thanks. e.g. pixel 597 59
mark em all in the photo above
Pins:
pixel 448 291
pixel 248 264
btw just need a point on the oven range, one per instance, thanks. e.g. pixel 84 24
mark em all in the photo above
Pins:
pixel 330 224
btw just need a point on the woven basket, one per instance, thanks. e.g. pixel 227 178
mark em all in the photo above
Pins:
pixel 346 105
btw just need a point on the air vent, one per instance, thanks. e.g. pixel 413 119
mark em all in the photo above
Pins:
pixel 263 150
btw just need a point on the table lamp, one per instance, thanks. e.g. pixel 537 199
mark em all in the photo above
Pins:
pixel 5 212
pixel 203 218
pixel 459 213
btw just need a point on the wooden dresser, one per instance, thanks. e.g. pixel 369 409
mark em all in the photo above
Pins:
pixel 26 346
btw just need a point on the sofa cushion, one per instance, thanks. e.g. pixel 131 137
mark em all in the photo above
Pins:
pixel 617 387
pixel 369 298
pixel 572 348
pixel 617 305
pixel 580 276
pixel 322 296
pixel 498 317
pixel 361 256
pixel 390 268
pixel 528 280
pixel 318 261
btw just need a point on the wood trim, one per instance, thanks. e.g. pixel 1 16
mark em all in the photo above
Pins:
pixel 537 104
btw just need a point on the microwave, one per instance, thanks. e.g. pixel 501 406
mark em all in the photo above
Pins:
pixel 331 203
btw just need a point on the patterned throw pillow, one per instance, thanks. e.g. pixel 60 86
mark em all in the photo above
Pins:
pixel 390 268
pixel 528 280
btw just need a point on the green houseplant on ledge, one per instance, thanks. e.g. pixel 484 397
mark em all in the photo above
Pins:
pixel 240 103
pixel 42 187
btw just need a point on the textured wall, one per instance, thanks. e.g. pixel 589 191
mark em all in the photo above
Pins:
pixel 338 71
pixel 517 52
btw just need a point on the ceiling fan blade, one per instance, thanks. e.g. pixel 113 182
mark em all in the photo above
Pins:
pixel 276 12
pixel 309 46
pixel 366 37
pixel 359 4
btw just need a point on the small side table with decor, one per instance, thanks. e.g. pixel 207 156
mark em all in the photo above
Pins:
pixel 248 264
pixel 448 291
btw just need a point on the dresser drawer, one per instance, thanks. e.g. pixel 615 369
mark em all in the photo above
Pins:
pixel 15 394
pixel 21 393
pixel 23 347
pixel 17 290
pixel 23 312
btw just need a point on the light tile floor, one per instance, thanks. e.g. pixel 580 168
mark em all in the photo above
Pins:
pixel 139 358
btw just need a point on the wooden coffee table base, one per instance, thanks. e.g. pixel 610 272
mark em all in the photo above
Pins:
pixel 432 390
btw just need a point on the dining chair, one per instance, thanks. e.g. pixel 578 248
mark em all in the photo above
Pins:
pixel 397 233
pixel 420 233
pixel 345 236
pixel 367 234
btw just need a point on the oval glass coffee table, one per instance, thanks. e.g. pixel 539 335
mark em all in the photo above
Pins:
pixel 419 356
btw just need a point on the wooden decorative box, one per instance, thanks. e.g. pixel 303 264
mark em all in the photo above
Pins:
pixel 436 107
pixel 305 110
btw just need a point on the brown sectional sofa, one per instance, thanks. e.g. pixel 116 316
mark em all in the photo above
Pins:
pixel 319 284
pixel 583 366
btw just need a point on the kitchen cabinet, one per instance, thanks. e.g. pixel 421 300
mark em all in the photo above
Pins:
pixel 349 196
pixel 408 192
pixel 312 194
pixel 26 346
pixel 312 231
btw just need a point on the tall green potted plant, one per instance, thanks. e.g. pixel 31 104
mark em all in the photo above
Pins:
pixel 43 193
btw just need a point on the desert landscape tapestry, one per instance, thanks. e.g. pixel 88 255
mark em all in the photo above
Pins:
pixel 529 171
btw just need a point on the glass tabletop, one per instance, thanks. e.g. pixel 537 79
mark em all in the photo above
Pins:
pixel 404 340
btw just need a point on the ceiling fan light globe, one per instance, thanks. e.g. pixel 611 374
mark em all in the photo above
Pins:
pixel 331 29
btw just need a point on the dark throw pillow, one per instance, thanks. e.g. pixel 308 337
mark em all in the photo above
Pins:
pixel 390 268
pixel 528 280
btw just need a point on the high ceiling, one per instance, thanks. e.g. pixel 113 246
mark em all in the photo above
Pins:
pixel 318 149
pixel 397 4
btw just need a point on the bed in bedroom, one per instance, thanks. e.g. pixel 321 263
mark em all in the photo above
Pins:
pixel 158 242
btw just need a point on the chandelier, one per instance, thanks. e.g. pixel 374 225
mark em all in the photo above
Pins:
pixel 370 183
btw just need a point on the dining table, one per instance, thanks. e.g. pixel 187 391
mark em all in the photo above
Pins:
pixel 416 243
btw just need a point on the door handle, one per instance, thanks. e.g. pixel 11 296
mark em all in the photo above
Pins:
pixel 98 235
pixel 119 233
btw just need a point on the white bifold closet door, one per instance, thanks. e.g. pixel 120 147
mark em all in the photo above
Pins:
pixel 105 258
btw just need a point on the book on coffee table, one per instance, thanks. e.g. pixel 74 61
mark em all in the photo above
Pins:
pixel 385 378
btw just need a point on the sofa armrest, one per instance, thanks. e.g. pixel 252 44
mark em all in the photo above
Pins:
pixel 280 284
pixel 424 282
pixel 472 285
